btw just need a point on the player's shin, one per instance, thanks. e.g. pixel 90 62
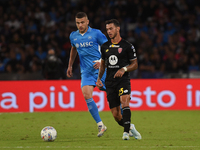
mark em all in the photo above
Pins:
pixel 126 118
pixel 121 122
pixel 92 107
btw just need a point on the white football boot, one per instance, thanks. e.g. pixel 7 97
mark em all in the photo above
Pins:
pixel 134 132
pixel 130 133
pixel 125 136
pixel 102 129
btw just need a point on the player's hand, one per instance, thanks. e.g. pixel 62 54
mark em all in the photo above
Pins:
pixel 97 64
pixel 99 84
pixel 119 73
pixel 69 72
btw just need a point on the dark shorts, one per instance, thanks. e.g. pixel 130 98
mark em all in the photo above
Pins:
pixel 114 93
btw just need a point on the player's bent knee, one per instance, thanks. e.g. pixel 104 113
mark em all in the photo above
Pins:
pixel 87 95
pixel 117 116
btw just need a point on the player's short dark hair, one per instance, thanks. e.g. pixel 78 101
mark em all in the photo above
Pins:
pixel 81 15
pixel 114 21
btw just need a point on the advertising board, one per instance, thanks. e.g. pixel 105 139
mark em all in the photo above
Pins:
pixel 65 95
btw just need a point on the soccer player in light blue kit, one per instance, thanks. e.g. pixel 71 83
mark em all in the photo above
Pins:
pixel 87 41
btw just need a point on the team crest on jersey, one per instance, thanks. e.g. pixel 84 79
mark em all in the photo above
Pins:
pixel 89 37
pixel 77 45
pixel 119 50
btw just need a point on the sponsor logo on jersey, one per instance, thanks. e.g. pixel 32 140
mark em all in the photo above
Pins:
pixel 77 45
pixel 114 45
pixel 84 44
pixel 75 39
pixel 107 50
pixel 116 66
pixel 119 50
pixel 126 91
pixel 113 60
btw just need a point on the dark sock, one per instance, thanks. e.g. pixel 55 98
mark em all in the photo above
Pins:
pixel 121 122
pixel 126 118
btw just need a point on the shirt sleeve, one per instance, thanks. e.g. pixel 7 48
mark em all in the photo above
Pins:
pixel 131 52
pixel 102 53
pixel 71 40
pixel 101 38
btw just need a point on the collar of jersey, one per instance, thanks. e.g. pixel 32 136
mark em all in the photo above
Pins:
pixel 89 30
pixel 116 43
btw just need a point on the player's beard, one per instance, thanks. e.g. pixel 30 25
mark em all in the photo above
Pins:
pixel 115 34
pixel 83 30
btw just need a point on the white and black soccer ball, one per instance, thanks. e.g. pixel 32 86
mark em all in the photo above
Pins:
pixel 48 133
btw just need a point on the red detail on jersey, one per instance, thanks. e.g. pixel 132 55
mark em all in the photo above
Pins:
pixel 119 50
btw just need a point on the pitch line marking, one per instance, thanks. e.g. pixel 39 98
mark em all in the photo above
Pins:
pixel 92 147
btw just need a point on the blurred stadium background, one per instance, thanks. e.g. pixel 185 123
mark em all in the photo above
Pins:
pixel 165 33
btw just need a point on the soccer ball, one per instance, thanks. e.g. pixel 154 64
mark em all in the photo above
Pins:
pixel 48 133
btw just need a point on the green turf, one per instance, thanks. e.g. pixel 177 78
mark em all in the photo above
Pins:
pixel 76 130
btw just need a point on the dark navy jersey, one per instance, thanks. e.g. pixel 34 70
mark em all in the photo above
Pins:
pixel 117 56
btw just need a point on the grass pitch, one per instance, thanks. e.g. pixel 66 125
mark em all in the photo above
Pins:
pixel 77 130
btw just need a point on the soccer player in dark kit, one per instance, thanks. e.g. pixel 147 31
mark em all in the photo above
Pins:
pixel 119 56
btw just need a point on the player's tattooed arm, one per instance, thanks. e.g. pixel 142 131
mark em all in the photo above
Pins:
pixel 133 66
pixel 101 69
pixel 101 72
pixel 119 73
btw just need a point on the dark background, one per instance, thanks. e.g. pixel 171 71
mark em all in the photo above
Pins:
pixel 165 33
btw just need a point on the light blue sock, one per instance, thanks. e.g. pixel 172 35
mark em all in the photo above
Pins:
pixel 93 109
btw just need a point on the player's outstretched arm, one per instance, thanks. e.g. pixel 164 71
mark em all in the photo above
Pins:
pixel 73 54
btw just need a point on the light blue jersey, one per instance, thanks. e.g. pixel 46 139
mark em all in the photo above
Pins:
pixel 88 48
